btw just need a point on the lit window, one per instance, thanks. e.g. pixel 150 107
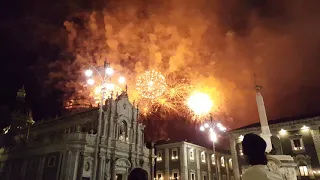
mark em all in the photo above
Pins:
pixel 203 157
pixel 174 154
pixel 191 154
pixel 240 149
pixel 297 144
pixel 222 162
pixel 230 163
pixel 213 159
pixel 159 156
pixel 303 171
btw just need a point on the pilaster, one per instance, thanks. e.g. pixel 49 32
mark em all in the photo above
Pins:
pixel 59 165
pixel 68 164
pixel 40 168
pixel 101 165
pixel 166 164
pixel 24 168
pixel 198 163
pixel 316 140
pixel 113 168
pixel 218 164
pixel 76 164
pixel 184 162
pixel 107 173
pixel 209 166
pixel 234 155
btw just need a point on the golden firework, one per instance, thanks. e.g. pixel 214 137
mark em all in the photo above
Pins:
pixel 109 90
pixel 200 103
pixel 171 101
pixel 151 84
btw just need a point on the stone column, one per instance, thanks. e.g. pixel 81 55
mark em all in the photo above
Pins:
pixel 40 168
pixel 80 165
pixel 101 166
pixel 68 164
pixel 105 122
pixel 166 164
pixel 107 172
pixel 63 164
pixel 218 164
pixel 111 129
pixel 24 168
pixel 184 162
pixel 113 169
pixel 61 156
pixel 316 140
pixel 235 162
pixel 198 163
pixel 73 165
pixel 209 165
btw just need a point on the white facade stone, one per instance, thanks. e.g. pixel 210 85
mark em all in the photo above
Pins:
pixel 72 139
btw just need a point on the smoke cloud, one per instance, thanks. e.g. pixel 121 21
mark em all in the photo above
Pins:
pixel 218 44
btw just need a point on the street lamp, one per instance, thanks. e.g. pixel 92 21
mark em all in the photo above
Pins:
pixel 211 127
pixel 106 85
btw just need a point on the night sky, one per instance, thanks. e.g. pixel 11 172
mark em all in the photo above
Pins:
pixel 279 40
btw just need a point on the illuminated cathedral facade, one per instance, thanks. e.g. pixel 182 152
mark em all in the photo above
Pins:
pixel 64 147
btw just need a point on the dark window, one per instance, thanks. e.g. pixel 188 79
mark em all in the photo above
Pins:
pixel 175 176
pixel 51 161
pixel 204 177
pixel 159 176
pixel 192 176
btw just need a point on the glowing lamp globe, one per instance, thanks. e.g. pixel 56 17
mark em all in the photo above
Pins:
pixel 213 137
pixel 122 80
pixel 109 71
pixel 206 125
pixel 202 128
pixel 88 73
pixel 90 82
pixel 110 86
pixel 200 103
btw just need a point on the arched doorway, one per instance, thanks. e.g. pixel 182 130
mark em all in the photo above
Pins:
pixel 122 167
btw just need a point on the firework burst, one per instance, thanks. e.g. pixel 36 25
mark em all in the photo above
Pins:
pixel 151 84
pixel 172 99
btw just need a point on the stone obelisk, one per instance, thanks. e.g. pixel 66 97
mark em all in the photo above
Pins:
pixel 265 130
pixel 282 164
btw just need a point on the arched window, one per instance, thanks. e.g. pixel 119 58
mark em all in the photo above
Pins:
pixel 123 131
pixel 222 161
pixel 51 161
pixel 230 163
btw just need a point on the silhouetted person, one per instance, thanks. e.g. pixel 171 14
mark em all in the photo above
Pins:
pixel 254 147
pixel 138 174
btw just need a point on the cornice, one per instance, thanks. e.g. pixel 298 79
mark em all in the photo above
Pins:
pixel 289 126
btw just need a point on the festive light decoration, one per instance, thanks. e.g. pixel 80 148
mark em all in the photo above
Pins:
pixel 151 84
pixel 200 103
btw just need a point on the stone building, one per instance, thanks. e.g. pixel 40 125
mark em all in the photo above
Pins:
pixel 187 161
pixel 63 148
pixel 296 137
